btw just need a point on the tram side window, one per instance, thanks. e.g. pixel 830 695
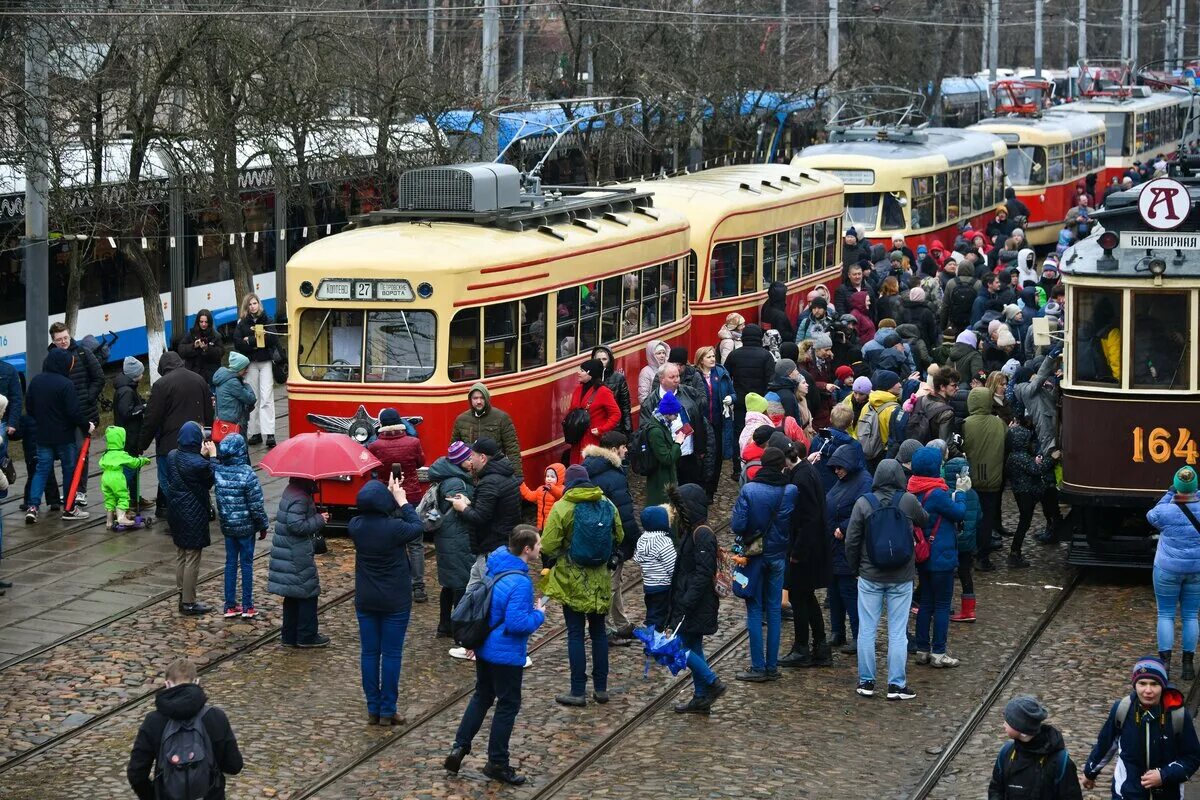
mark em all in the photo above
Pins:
pixel 400 346
pixel 1055 172
pixel 723 270
pixel 998 181
pixel 589 318
pixel 500 339
pixel 567 315
pixel 749 271
pixel 977 188
pixel 693 279
pixel 650 287
pixel 768 261
pixel 922 204
pixel 952 206
pixel 939 199
pixel 1026 165
pixel 533 332
pixel 806 237
pixel 833 240
pixel 610 309
pixel 630 304
pixel 331 343
pixel 1162 353
pixel 1097 341
pixel 793 269
pixel 463 363
pixel 668 291
pixel 893 211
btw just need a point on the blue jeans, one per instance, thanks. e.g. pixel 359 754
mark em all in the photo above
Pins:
pixel 872 598
pixel 843 602
pixel 577 654
pixel 65 453
pixel 161 463
pixel 937 590
pixel 239 550
pixel 499 684
pixel 768 599
pixel 1173 589
pixel 702 675
pixel 382 638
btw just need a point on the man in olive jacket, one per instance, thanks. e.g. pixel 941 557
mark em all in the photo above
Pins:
pixel 983 444
pixel 482 420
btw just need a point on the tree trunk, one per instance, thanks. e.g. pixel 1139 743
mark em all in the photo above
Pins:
pixel 74 274
pixel 156 340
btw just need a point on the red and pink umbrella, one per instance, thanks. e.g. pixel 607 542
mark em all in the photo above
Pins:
pixel 319 455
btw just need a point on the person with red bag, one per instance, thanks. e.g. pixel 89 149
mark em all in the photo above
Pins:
pixel 235 398
pixel 945 509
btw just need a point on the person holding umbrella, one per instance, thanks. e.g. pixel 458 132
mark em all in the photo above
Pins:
pixel 292 573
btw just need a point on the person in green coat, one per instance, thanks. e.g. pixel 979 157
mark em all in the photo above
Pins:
pixel 585 592
pixel 665 436
pixel 983 444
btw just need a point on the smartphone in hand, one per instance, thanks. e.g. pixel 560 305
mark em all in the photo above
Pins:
pixel 397 472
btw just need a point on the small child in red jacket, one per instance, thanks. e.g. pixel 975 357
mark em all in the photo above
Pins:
pixel 546 495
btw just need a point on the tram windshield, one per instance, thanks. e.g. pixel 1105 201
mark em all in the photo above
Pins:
pixel 1026 165
pixel 1097 341
pixel 1117 140
pixel 863 210
pixel 1161 352
pixel 399 345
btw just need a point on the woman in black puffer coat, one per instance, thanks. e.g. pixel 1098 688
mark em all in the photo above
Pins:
pixel 189 479
pixel 292 573
pixel 614 379
pixel 694 601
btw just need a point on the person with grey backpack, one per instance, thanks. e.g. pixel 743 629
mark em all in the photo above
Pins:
pixel 184 745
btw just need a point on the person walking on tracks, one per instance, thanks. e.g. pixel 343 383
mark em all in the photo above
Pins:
pixel 1153 737
pixel 500 661
pixel 181 724
pixel 87 377
pixel 581 537
pixel 178 397
pixel 1034 762
pixel 1176 517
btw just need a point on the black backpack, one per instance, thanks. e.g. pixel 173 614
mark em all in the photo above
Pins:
pixel 575 425
pixel 186 767
pixel 641 460
pixel 961 300
pixel 470 622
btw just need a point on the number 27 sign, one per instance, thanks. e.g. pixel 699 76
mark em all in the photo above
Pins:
pixel 1160 445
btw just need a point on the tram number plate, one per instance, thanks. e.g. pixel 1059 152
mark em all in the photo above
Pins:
pixel 1157 445
pixel 364 290
pixel 1159 241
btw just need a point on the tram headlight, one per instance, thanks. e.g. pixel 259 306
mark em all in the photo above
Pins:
pixel 1108 240
pixel 1157 267
pixel 306 288
pixel 424 290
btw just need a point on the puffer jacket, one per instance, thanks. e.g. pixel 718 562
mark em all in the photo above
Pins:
pixel 544 497
pixel 983 442
pixel 614 379
pixel 496 507
pixel 945 509
pixel 840 500
pixel 395 446
pixel 240 507
pixel 764 506
pixel 694 600
pixel 452 542
pixel 1024 474
pixel 189 477
pixel 966 531
pixel 293 567
pixel 774 312
pixel 513 617
pixel 606 471
pixel 87 376
pixel 1041 403
pixel 128 410
pixel 1178 540
pixel 381 532
pixel 1147 741
pixel 491 423
pixel 649 373
pixel 587 590
pixel 751 366
pixel 235 398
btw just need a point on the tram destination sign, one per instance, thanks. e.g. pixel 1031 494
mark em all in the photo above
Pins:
pixel 1140 240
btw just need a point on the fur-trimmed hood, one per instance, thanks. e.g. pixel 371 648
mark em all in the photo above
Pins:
pixel 602 452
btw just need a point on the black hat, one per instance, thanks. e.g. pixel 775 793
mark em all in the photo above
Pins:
pixel 487 447
pixel 773 458
pixel 1025 715
pixel 678 355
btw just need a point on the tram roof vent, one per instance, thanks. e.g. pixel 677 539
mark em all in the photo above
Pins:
pixel 472 188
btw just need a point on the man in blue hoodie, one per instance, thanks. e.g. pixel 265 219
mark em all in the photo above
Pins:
pixel 54 406
pixel 500 661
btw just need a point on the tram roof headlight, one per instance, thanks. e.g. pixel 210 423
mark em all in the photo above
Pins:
pixel 1157 267
pixel 1109 241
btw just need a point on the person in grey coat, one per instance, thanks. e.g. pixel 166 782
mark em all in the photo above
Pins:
pixel 452 541
pixel 878 587
pixel 1039 395
pixel 292 573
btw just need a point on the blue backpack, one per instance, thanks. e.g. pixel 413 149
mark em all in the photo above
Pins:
pixel 592 533
pixel 889 535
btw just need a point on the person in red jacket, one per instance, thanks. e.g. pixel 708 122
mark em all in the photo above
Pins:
pixel 395 447
pixel 602 408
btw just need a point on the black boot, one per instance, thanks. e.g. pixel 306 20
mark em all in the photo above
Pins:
pixel 799 657
pixel 1189 669
pixel 822 655
pixel 1165 657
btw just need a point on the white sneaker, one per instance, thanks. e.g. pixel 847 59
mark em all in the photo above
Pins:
pixel 528 662
pixel 81 499
pixel 462 653
pixel 923 657
pixel 943 661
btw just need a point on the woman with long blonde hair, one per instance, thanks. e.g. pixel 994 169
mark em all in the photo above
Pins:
pixel 718 407
pixel 254 340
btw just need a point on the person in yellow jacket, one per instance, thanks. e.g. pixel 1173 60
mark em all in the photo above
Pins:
pixel 883 400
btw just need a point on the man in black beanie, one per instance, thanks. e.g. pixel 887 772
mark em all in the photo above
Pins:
pixel 1034 762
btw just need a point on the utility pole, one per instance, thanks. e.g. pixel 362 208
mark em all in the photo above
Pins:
pixel 1180 26
pixel 490 78
pixel 1169 34
pixel 429 26
pixel 1134 33
pixel 36 264
pixel 783 41
pixel 1037 38
pixel 1124 30
pixel 831 60
pixel 521 49
pixel 994 42
pixel 985 38
pixel 1082 30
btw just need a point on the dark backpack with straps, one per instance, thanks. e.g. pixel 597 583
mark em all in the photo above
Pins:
pixel 960 301
pixel 578 420
pixel 186 767
pixel 889 533
pixel 470 622
pixel 1008 759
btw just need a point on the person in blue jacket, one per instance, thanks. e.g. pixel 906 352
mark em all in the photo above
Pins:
pixel 241 512
pixel 853 481
pixel 385 524
pixel 951 471
pixel 1177 567
pixel 500 661
pixel 764 507
pixel 945 509
pixel 1153 737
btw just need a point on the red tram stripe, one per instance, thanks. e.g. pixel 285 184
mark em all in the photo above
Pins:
pixel 507 281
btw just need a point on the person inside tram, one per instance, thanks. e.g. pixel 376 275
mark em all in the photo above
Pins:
pixel 1099 345
pixel 1160 344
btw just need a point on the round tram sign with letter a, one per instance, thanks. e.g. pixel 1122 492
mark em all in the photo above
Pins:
pixel 1164 204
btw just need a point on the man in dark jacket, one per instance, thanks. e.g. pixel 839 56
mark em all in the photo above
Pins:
pixel 851 481
pixel 496 507
pixel 697 450
pixel 189 479
pixel 774 312
pixel 54 406
pixel 178 397
pixel 1034 762
pixel 879 587
pixel 181 700
pixel 88 379
pixel 751 367
pixel 10 387
pixel 604 465
pixel 809 564
pixel 128 411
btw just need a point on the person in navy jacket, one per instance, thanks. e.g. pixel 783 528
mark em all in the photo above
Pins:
pixel 499 662
pixel 945 510
pixel 1153 737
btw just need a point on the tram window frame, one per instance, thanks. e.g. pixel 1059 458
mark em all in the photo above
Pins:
pixel 533 338
pixel 997 181
pixel 631 304
pixel 768 261
pixel 668 277
pixel 326 319
pixel 794 254
pixel 610 308
pixel 693 268
pixel 939 199
pixel 1083 308
pixel 588 329
pixel 1056 169
pixel 833 240
pixel 891 215
pixel 749 268
pixel 808 249
pixel 723 266
pixel 649 277
pixel 409 319
pixel 921 213
pixel 1139 366
pixel 953 206
pixel 977 188
pixel 506 314
pixel 568 325
pixel 466 369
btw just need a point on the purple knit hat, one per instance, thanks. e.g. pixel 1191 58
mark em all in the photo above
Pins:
pixel 1152 668
pixel 458 453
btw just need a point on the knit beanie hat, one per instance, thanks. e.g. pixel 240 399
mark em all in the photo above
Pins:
pixel 922 249
pixel 773 458
pixel 762 435
pixel 1010 368
pixel 916 294
pixel 843 372
pixel 884 380
pixel 595 368
pixel 862 385
pixel 821 341
pixel 678 355
pixel 994 326
pixel 789 350
pixel 237 361
pixel 1185 481
pixel 756 402
pixel 458 453
pixel 1005 338
pixel 654 518
pixel 576 474
pixel 968 338
pixel 1010 311
pixel 817 301
pixel 774 404
pixel 669 404
pixel 907 448
pixel 389 416
pixel 1053 309
pixel 784 368
pixel 1025 715
pixel 1149 667
pixel 132 368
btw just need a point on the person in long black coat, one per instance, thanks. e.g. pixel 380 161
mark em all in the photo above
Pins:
pixel 774 312
pixel 810 563
pixel 190 478
pixel 694 600
pixel 202 348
